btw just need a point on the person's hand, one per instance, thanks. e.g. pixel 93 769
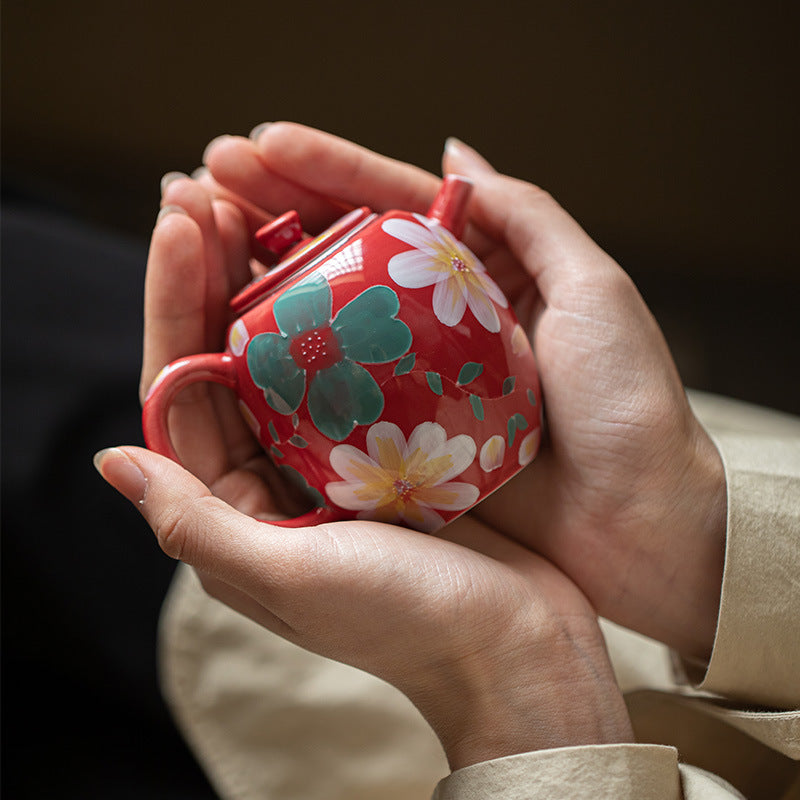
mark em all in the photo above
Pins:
pixel 628 494
pixel 199 257
pixel 629 498
pixel 499 650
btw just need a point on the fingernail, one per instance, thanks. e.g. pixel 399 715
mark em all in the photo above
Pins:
pixel 258 130
pixel 212 144
pixel 170 209
pixel 169 178
pixel 122 473
pixel 466 155
pixel 199 173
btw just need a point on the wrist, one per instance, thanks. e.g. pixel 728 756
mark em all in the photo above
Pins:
pixel 677 601
pixel 703 511
pixel 556 691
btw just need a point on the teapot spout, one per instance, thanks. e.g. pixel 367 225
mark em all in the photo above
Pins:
pixel 449 207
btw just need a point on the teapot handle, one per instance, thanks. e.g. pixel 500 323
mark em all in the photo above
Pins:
pixel 205 367
pixel 212 368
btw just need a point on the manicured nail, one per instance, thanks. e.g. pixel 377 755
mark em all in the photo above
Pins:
pixel 212 144
pixel 258 130
pixel 199 173
pixel 170 209
pixel 169 178
pixel 466 155
pixel 122 473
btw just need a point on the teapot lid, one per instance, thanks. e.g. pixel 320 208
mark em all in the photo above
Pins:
pixel 284 235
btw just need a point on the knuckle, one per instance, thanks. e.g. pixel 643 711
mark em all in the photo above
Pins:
pixel 174 529
pixel 531 195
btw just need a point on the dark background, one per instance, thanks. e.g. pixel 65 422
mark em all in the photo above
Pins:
pixel 670 130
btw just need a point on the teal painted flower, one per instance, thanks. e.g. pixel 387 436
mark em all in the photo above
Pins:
pixel 324 354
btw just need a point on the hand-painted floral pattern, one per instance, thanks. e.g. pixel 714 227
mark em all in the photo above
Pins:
pixel 404 481
pixel 439 260
pixel 492 453
pixel 324 353
pixel 528 447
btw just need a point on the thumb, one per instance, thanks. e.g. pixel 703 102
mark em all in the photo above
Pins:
pixel 190 523
pixel 546 240
pixel 460 159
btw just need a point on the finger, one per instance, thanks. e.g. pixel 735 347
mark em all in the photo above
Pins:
pixel 176 325
pixel 174 293
pixel 339 169
pixel 550 244
pixel 190 196
pixel 353 174
pixel 193 525
pixel 234 240
pixel 306 577
pixel 255 217
pixel 236 164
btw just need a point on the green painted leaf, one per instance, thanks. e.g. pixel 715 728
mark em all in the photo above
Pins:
pixel 435 382
pixel 517 422
pixel 272 432
pixel 512 431
pixel 305 306
pixel 343 396
pixel 276 453
pixel 477 407
pixel 367 329
pixel 297 479
pixel 298 441
pixel 275 371
pixel 405 364
pixel 508 384
pixel 531 397
pixel 469 372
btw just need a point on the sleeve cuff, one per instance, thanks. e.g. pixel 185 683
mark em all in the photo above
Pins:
pixel 593 772
pixel 756 653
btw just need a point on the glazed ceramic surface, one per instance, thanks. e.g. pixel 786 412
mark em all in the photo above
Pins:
pixel 380 367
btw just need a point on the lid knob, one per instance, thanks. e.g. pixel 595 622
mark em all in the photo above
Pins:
pixel 280 234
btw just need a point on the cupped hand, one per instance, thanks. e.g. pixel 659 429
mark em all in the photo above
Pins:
pixel 628 493
pixel 500 652
pixel 199 257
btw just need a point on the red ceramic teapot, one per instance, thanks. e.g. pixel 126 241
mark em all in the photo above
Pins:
pixel 379 365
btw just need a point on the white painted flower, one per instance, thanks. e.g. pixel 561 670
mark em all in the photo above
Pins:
pixel 519 341
pixel 439 260
pixel 492 453
pixel 404 481
pixel 529 446
pixel 238 337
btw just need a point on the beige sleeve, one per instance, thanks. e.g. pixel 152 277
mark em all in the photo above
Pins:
pixel 756 654
pixel 594 772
